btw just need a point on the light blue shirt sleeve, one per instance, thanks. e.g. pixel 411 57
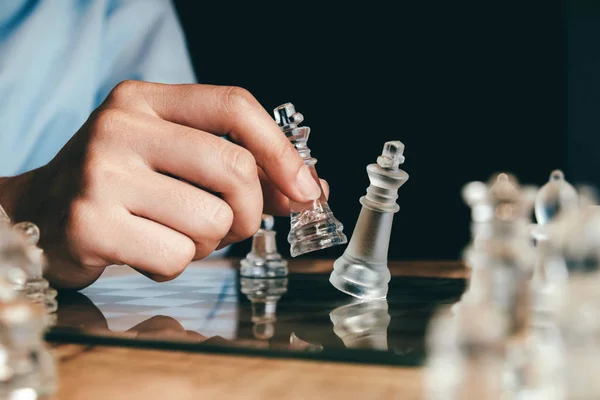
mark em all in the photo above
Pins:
pixel 60 58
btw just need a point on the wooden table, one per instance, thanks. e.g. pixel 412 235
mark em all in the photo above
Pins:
pixel 99 372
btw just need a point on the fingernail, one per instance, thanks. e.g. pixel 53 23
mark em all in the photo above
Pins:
pixel 306 184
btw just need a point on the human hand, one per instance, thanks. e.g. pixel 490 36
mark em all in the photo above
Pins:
pixel 147 182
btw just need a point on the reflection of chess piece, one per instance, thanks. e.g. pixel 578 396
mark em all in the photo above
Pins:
pixel 263 295
pixel 362 271
pixel 36 286
pixel 264 261
pixel 298 344
pixel 362 325
pixel 26 364
pixel 313 226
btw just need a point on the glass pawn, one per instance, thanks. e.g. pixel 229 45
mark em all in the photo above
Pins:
pixel 263 295
pixel 264 261
pixel 26 365
pixel 36 286
pixel 313 225
pixel 362 271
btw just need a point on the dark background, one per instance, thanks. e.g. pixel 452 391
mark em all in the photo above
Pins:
pixel 469 88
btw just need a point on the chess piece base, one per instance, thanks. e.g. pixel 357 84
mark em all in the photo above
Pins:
pixel 359 279
pixel 316 235
pixel 318 243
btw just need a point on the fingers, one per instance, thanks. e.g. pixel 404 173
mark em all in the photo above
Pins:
pixel 275 202
pixel 102 235
pixel 201 216
pixel 159 252
pixel 226 110
pixel 210 163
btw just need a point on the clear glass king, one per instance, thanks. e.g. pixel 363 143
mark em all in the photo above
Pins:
pixel 313 226
pixel 362 271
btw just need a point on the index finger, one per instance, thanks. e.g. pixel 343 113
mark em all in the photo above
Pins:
pixel 226 110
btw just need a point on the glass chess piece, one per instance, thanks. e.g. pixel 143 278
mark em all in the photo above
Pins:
pixel 264 261
pixel 465 354
pixel 313 225
pixel 362 325
pixel 362 271
pixel 577 234
pixel 555 196
pixel 501 257
pixel 263 295
pixel 550 273
pixel 27 368
pixel 13 256
pixel 476 196
pixel 36 286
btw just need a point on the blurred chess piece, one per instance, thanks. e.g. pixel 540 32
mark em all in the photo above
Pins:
pixel 23 263
pixel 465 354
pixel 36 287
pixel 502 259
pixel 554 197
pixel 577 235
pixel 500 254
pixel 27 368
pixel 313 225
pixel 362 325
pixel 475 256
pixel 264 295
pixel 550 276
pixel 362 271
pixel 264 261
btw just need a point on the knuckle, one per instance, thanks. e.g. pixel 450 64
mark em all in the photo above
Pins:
pixel 242 166
pixel 98 175
pixel 78 221
pixel 176 260
pixel 238 99
pixel 124 91
pixel 205 248
pixel 281 153
pixel 222 219
pixel 248 228
pixel 108 121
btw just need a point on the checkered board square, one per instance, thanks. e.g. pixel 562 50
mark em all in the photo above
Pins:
pixel 203 300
